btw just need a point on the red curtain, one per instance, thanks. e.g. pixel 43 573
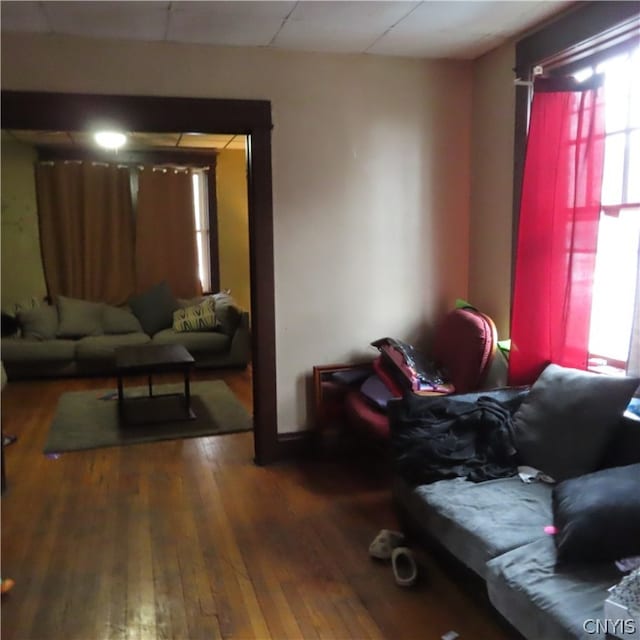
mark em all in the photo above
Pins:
pixel 558 228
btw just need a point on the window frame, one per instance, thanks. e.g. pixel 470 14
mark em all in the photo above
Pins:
pixel 581 36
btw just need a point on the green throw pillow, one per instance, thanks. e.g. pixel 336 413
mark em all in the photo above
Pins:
pixel 199 317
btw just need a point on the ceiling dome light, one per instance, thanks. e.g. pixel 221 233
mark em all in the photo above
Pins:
pixel 110 139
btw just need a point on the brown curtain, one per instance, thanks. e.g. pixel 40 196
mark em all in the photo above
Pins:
pixel 165 232
pixel 86 230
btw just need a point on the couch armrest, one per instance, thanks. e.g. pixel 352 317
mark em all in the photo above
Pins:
pixel 240 351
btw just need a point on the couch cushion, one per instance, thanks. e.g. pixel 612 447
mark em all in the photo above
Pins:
pixel 10 324
pixel 103 347
pixel 598 515
pixel 79 318
pixel 228 314
pixel 154 308
pixel 543 601
pixel 117 320
pixel 564 425
pixel 39 323
pixel 196 342
pixel 625 447
pixel 22 350
pixel 479 521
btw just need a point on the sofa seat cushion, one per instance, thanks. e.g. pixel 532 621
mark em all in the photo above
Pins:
pixel 543 601
pixel 479 521
pixel 22 350
pixel 195 342
pixel 103 347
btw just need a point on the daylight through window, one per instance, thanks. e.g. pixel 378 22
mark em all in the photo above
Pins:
pixel 201 214
pixel 619 229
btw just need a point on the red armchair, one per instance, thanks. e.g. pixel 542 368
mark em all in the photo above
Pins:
pixel 464 347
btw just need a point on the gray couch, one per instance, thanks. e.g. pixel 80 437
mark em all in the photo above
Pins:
pixel 496 529
pixel 41 350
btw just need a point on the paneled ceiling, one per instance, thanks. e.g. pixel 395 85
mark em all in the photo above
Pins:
pixel 136 141
pixel 431 29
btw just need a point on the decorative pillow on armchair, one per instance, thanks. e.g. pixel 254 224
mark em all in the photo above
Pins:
pixel 200 317
pixel 569 417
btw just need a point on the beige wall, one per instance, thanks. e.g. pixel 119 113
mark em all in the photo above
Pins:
pixel 371 178
pixel 22 274
pixel 233 224
pixel 492 185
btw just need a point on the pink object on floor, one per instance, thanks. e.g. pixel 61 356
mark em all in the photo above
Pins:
pixel 550 530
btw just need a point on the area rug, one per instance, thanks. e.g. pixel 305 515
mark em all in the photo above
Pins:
pixel 89 419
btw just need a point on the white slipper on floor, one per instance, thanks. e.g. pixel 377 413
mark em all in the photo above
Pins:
pixel 404 566
pixel 384 544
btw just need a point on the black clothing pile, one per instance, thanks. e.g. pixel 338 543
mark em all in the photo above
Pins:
pixel 436 438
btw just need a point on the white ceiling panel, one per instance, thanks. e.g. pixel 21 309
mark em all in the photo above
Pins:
pixel 468 17
pixel 227 23
pixel 439 29
pixel 443 44
pixel 463 30
pixel 349 27
pixel 23 16
pixel 122 20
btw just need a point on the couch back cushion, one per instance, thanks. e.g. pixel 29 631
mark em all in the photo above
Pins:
pixel 39 323
pixel 568 420
pixel 624 448
pixel 228 314
pixel 154 308
pixel 79 318
pixel 120 320
pixel 597 515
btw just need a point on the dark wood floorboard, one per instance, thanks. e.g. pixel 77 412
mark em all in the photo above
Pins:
pixel 188 539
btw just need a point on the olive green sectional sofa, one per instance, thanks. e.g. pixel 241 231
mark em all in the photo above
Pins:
pixel 76 338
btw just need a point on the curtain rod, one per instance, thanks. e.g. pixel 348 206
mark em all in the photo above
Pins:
pixel 537 71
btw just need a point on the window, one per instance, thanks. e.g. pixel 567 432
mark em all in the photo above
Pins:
pixel 600 37
pixel 201 214
pixel 619 228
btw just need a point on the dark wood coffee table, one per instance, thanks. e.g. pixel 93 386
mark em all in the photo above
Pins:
pixel 148 360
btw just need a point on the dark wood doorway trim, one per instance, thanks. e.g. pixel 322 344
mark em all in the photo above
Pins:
pixel 79 112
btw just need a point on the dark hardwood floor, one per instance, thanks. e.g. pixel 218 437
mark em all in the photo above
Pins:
pixel 189 539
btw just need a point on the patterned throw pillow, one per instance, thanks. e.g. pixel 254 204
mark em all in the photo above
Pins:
pixel 200 317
